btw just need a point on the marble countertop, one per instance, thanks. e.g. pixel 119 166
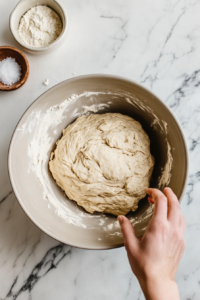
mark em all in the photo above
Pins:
pixel 156 43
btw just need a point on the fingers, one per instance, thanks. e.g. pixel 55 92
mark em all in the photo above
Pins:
pixel 130 240
pixel 174 207
pixel 160 209
pixel 166 206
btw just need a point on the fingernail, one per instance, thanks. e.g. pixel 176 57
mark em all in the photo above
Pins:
pixel 150 200
pixel 120 219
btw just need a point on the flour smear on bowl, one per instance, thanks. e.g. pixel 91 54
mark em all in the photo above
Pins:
pixel 40 147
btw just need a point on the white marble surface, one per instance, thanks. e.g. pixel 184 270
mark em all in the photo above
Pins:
pixel 156 43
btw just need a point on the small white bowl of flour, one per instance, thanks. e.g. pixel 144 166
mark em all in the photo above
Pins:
pixel 38 26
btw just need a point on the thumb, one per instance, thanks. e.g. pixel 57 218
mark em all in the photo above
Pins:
pixel 130 240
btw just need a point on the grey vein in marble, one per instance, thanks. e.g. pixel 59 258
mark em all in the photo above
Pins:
pixel 49 262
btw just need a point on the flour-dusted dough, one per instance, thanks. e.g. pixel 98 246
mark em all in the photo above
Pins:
pixel 103 162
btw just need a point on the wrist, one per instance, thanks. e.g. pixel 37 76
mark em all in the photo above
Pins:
pixel 159 288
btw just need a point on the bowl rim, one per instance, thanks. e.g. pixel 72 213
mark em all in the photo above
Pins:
pixel 21 82
pixel 51 45
pixel 77 245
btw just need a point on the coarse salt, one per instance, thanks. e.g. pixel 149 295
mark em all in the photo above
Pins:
pixel 10 71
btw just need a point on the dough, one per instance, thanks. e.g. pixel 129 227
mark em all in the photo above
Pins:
pixel 103 162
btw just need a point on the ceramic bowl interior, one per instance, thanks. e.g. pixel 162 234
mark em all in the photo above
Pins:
pixel 21 8
pixel 41 126
pixel 20 58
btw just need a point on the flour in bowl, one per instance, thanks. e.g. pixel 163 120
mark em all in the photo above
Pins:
pixel 39 26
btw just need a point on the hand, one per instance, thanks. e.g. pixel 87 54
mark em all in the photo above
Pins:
pixel 155 258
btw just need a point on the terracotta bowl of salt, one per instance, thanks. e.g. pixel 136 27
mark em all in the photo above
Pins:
pixel 14 68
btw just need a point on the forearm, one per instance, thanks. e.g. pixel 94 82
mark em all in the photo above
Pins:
pixel 160 289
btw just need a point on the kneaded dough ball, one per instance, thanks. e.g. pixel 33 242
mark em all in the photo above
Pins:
pixel 103 162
